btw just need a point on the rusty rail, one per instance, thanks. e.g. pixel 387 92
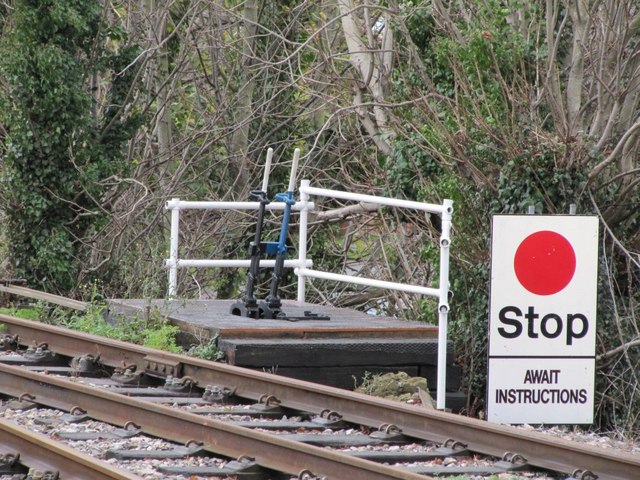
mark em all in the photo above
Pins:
pixel 47 297
pixel 41 453
pixel 480 436
pixel 179 426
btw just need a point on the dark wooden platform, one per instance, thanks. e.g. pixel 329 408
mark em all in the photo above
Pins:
pixel 339 352
pixel 211 317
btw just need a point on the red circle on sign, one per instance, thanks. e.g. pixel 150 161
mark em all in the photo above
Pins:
pixel 545 262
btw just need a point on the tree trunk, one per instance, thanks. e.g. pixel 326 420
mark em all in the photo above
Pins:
pixel 238 154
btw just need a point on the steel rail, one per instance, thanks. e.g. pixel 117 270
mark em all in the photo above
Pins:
pixel 480 436
pixel 221 438
pixel 47 297
pixel 39 452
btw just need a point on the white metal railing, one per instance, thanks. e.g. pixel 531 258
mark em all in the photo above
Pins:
pixel 174 262
pixel 302 264
pixel 442 292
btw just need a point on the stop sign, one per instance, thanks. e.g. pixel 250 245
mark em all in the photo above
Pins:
pixel 542 325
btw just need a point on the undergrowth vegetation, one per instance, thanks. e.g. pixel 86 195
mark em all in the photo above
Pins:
pixel 153 332
pixel 494 150
pixel 207 350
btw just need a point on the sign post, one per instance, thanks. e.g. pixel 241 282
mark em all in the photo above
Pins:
pixel 542 324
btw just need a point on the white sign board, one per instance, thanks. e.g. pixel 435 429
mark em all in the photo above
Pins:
pixel 542 319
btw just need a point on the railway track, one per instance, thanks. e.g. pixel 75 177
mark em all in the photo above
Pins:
pixel 269 426
pixel 32 456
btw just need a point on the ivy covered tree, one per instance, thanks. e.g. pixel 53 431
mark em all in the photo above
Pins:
pixel 529 104
pixel 67 81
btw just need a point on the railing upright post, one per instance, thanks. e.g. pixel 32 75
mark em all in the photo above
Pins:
pixel 173 249
pixel 302 242
pixel 443 303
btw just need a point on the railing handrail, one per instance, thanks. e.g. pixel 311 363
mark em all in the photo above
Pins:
pixel 174 262
pixel 301 264
pixel 359 197
pixel 176 203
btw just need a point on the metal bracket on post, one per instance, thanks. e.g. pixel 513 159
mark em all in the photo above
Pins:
pixel 248 306
pixel 270 307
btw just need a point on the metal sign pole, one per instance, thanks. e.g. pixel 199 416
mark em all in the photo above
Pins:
pixel 443 303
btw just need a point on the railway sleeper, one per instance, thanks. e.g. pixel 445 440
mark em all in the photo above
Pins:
pixel 583 475
pixel 288 424
pixel 130 376
pixel 154 392
pixel 244 468
pixel 40 475
pixel 180 385
pixel 510 462
pixel 337 440
pixel 440 470
pixel 220 394
pixel 260 412
pixel 130 430
pixel 36 355
pixel 8 342
pixel 268 404
pixel 62 371
pixel 88 365
pixel 329 418
pixel 77 415
pixel 11 465
pixel 176 400
pixel 24 402
pixel 389 433
pixel 403 456
pixel 192 449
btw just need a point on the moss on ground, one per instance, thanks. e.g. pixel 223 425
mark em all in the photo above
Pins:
pixel 393 386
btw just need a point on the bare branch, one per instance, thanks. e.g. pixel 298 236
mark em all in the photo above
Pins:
pixel 345 212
